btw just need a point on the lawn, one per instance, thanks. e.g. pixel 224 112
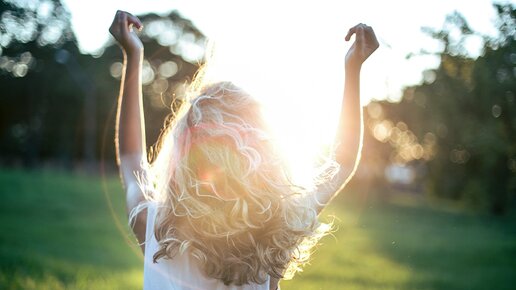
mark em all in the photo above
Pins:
pixel 59 231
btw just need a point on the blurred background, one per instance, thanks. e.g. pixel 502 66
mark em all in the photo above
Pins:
pixel 432 205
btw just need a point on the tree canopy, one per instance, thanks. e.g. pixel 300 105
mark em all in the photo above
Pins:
pixel 58 105
pixel 460 123
pixel 455 132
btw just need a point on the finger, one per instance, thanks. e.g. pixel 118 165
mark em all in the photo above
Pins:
pixel 351 31
pixel 372 37
pixel 360 37
pixel 131 19
pixel 122 24
pixel 370 40
pixel 118 15
pixel 114 25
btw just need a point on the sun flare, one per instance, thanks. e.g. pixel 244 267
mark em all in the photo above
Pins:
pixel 300 105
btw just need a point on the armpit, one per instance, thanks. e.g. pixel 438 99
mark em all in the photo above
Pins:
pixel 328 188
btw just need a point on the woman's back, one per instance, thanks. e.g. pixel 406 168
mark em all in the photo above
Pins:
pixel 183 272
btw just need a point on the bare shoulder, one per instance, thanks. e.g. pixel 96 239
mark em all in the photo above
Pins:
pixel 134 198
pixel 326 191
pixel 274 284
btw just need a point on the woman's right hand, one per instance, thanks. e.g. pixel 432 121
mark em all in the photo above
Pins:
pixel 364 45
pixel 122 30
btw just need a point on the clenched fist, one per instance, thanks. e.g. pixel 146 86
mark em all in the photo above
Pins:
pixel 365 44
pixel 122 30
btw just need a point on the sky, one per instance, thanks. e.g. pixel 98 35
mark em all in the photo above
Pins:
pixel 305 33
pixel 290 54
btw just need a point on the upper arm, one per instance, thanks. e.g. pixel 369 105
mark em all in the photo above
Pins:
pixel 134 198
pixel 273 283
pixel 131 170
pixel 325 192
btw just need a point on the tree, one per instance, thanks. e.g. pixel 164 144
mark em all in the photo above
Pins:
pixel 174 50
pixel 461 121
pixel 53 89
pixel 31 32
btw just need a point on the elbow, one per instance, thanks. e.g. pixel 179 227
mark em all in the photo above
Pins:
pixel 349 157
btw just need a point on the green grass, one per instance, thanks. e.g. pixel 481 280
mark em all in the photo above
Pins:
pixel 59 232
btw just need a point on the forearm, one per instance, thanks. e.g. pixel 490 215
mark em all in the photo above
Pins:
pixel 349 135
pixel 130 127
pixel 348 141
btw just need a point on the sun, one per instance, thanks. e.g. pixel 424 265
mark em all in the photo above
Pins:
pixel 302 143
pixel 301 105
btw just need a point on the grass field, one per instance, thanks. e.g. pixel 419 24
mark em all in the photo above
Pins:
pixel 59 232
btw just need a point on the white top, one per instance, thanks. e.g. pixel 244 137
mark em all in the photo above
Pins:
pixel 183 272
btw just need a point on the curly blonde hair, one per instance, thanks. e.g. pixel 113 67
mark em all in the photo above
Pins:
pixel 223 193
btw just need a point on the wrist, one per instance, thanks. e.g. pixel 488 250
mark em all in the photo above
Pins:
pixel 133 55
pixel 351 67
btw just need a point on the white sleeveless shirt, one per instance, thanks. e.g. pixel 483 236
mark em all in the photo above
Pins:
pixel 182 272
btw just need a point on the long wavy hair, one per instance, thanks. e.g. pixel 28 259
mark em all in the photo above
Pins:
pixel 223 192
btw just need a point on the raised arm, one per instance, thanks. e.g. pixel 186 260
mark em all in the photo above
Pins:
pixel 130 127
pixel 349 135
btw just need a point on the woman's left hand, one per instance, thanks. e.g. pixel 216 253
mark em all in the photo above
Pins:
pixel 122 30
pixel 365 44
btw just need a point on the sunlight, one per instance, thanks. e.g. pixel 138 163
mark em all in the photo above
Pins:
pixel 295 68
pixel 300 107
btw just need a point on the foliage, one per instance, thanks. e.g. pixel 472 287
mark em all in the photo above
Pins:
pixel 456 129
pixel 59 104
pixel 30 34
pixel 463 117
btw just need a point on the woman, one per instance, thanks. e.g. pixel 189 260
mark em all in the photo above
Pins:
pixel 216 208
